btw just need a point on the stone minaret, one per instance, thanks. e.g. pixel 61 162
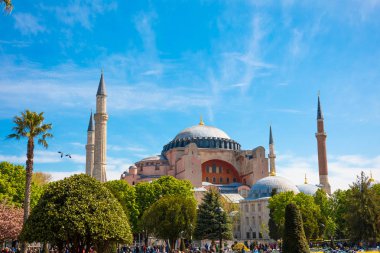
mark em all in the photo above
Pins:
pixel 271 155
pixel 322 154
pixel 101 117
pixel 90 147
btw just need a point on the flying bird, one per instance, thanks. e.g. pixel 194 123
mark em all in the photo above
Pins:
pixel 61 153
pixel 68 155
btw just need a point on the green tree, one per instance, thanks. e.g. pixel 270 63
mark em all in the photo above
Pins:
pixel 126 194
pixel 41 178
pixel 209 220
pixel 339 209
pixel 294 240
pixel 30 125
pixel 310 211
pixel 148 193
pixel 363 211
pixel 274 230
pixel 12 185
pixel 170 217
pixel 327 226
pixel 79 210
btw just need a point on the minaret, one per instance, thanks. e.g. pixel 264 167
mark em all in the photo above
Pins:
pixel 90 147
pixel 271 155
pixel 322 154
pixel 101 117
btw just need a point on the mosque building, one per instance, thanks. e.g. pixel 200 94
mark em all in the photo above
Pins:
pixel 208 157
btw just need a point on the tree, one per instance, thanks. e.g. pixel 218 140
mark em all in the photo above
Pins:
pixel 41 178
pixel 327 226
pixel 12 185
pixel 148 193
pixel 294 235
pixel 10 221
pixel 8 5
pixel 310 212
pixel 363 211
pixel 274 230
pixel 78 210
pixel 126 194
pixel 30 126
pixel 339 209
pixel 209 220
pixel 170 217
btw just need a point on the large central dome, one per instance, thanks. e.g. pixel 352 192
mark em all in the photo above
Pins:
pixel 201 131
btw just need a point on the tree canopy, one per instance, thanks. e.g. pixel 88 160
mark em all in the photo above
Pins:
pixel 12 185
pixel 209 220
pixel 147 193
pixel 11 220
pixel 126 194
pixel 80 210
pixel 310 211
pixel 362 214
pixel 294 235
pixel 171 217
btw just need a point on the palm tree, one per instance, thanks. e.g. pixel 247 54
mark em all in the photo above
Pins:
pixel 8 5
pixel 30 125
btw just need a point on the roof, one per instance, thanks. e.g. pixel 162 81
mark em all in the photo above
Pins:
pixel 232 197
pixel 101 87
pixel 90 124
pixel 153 158
pixel 201 131
pixel 263 187
pixel 308 189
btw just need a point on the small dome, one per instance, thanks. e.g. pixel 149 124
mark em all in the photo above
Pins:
pixel 201 131
pixel 308 189
pixel 263 187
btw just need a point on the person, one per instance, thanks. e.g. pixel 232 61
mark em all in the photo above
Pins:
pixel 206 247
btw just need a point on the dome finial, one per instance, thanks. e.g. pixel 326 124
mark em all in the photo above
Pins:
pixel 370 177
pixel 201 122
pixel 305 179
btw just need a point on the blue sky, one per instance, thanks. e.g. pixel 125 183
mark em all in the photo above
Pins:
pixel 243 65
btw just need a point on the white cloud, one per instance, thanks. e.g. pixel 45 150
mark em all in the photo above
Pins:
pixel 343 169
pixel 27 24
pixel 81 12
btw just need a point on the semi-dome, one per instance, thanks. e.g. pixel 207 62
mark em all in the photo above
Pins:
pixel 308 189
pixel 201 131
pixel 263 187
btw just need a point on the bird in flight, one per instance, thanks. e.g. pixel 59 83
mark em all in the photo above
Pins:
pixel 68 155
pixel 61 153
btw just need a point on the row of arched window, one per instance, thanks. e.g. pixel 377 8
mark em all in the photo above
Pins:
pixel 221 180
pixel 203 143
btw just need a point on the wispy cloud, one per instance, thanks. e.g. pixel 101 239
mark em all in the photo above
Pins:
pixel 285 110
pixel 343 169
pixel 28 24
pixel 81 12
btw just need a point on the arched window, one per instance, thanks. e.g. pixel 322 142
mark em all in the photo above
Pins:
pixel 207 180
pixel 214 180
pixel 221 180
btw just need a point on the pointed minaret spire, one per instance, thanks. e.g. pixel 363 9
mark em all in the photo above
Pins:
pixel 90 124
pixel 270 135
pixel 319 113
pixel 271 154
pixel 305 179
pixel 90 147
pixel 102 86
pixel 322 153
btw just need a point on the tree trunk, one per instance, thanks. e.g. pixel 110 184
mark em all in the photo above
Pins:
pixel 28 183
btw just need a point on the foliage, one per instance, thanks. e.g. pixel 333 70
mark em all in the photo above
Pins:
pixel 274 230
pixel 126 194
pixel 209 221
pixel 339 208
pixel 170 217
pixel 7 5
pixel 11 220
pixel 41 178
pixel 310 211
pixel 237 247
pixel 327 225
pixel 79 210
pixel 12 185
pixel 148 193
pixel 363 211
pixel 294 240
